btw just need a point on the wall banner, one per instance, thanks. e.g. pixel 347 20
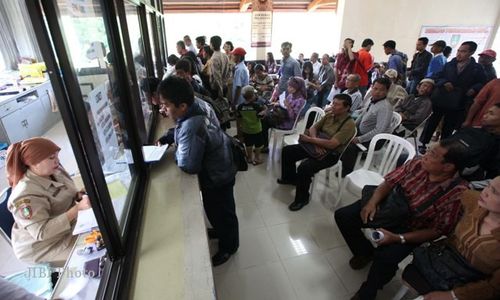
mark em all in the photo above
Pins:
pixel 262 23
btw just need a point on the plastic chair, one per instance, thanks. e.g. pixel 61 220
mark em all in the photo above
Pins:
pixel 337 167
pixel 293 138
pixel 395 122
pixel 355 181
pixel 414 133
pixel 275 132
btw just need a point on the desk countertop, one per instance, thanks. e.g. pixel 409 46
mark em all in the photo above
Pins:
pixel 173 260
pixel 22 90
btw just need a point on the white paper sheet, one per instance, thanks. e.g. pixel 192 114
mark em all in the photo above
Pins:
pixel 85 221
pixel 153 153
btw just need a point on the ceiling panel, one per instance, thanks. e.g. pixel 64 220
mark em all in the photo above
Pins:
pixel 173 6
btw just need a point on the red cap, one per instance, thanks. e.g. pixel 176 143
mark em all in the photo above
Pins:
pixel 489 52
pixel 239 51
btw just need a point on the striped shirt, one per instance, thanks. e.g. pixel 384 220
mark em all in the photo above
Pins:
pixel 374 120
pixel 481 251
pixel 444 213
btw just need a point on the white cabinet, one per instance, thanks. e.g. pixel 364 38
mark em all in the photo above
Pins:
pixel 26 115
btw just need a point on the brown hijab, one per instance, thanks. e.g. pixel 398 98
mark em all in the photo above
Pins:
pixel 26 153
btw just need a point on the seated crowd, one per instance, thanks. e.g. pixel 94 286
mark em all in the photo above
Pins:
pixel 206 86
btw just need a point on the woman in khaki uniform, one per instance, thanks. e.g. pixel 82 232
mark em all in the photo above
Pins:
pixel 43 202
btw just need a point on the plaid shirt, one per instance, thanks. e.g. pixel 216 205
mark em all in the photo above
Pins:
pixel 444 213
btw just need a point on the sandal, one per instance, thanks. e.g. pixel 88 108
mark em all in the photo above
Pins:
pixel 257 162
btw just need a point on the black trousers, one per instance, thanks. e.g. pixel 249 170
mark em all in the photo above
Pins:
pixel 221 212
pixel 452 119
pixel 385 258
pixel 306 170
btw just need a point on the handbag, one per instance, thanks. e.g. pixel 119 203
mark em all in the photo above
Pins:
pixel 275 116
pixel 312 149
pixel 443 99
pixel 394 210
pixel 444 267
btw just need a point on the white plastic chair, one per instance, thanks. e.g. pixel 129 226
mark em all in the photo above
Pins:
pixel 337 167
pixel 395 122
pixel 293 139
pixel 374 175
pixel 414 134
pixel 280 133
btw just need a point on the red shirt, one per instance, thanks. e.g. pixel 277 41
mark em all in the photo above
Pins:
pixel 363 65
pixel 487 97
pixel 444 213
pixel 344 66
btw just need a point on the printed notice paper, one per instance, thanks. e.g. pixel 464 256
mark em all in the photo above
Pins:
pixel 153 153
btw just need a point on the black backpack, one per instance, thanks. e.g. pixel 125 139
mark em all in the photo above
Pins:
pixel 239 154
pixel 479 143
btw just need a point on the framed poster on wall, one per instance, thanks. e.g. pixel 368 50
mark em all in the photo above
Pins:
pixel 456 35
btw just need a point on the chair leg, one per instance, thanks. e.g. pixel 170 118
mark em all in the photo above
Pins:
pixel 342 188
pixel 400 294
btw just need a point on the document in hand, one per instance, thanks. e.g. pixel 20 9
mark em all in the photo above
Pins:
pixel 153 153
pixel 85 221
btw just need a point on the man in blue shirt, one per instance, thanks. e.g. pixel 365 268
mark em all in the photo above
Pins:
pixel 439 60
pixel 397 59
pixel 290 67
pixel 241 77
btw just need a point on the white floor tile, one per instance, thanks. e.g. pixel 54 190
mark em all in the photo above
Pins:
pixel 266 282
pixel 248 215
pixel 293 239
pixel 313 278
pixel 325 232
pixel 339 260
pixel 256 249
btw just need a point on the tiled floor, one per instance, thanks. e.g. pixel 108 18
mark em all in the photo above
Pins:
pixel 284 254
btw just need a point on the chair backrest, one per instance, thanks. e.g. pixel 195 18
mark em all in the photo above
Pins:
pixel 6 218
pixel 317 114
pixel 350 140
pixel 392 152
pixel 395 121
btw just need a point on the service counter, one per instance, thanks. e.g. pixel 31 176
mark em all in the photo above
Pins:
pixel 173 260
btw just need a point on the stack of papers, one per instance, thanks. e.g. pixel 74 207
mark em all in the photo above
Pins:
pixel 85 221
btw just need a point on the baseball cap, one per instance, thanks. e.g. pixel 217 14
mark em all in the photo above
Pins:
pixel 429 80
pixel 391 73
pixel 248 88
pixel 439 43
pixel 239 51
pixel 489 52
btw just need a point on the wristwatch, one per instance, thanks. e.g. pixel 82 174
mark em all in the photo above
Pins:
pixel 402 238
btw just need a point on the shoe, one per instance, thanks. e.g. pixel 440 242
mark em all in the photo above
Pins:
pixel 284 181
pixel 296 205
pixel 358 262
pixel 219 258
pixel 212 234
pixel 422 149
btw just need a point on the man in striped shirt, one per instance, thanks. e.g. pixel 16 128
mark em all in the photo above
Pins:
pixel 421 179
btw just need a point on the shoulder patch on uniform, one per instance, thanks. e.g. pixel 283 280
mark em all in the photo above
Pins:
pixel 26 211
pixel 21 202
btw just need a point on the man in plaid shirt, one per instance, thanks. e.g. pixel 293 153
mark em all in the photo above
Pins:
pixel 421 179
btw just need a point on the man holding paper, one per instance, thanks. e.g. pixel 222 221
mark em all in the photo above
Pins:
pixel 204 149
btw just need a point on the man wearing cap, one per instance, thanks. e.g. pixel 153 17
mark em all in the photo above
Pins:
pixel 439 60
pixel 241 77
pixel 415 108
pixel 290 67
pixel 486 59
pixel 459 81
pixel 397 59
pixel 395 93
pixel 419 64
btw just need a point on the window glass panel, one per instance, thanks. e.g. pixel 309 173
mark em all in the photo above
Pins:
pixel 88 43
pixel 137 44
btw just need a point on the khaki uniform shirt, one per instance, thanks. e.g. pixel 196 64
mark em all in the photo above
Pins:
pixel 330 124
pixel 42 231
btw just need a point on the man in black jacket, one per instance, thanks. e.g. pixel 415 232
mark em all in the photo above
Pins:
pixel 419 65
pixel 456 85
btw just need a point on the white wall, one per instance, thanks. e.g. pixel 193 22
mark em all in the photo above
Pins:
pixel 308 32
pixel 401 20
